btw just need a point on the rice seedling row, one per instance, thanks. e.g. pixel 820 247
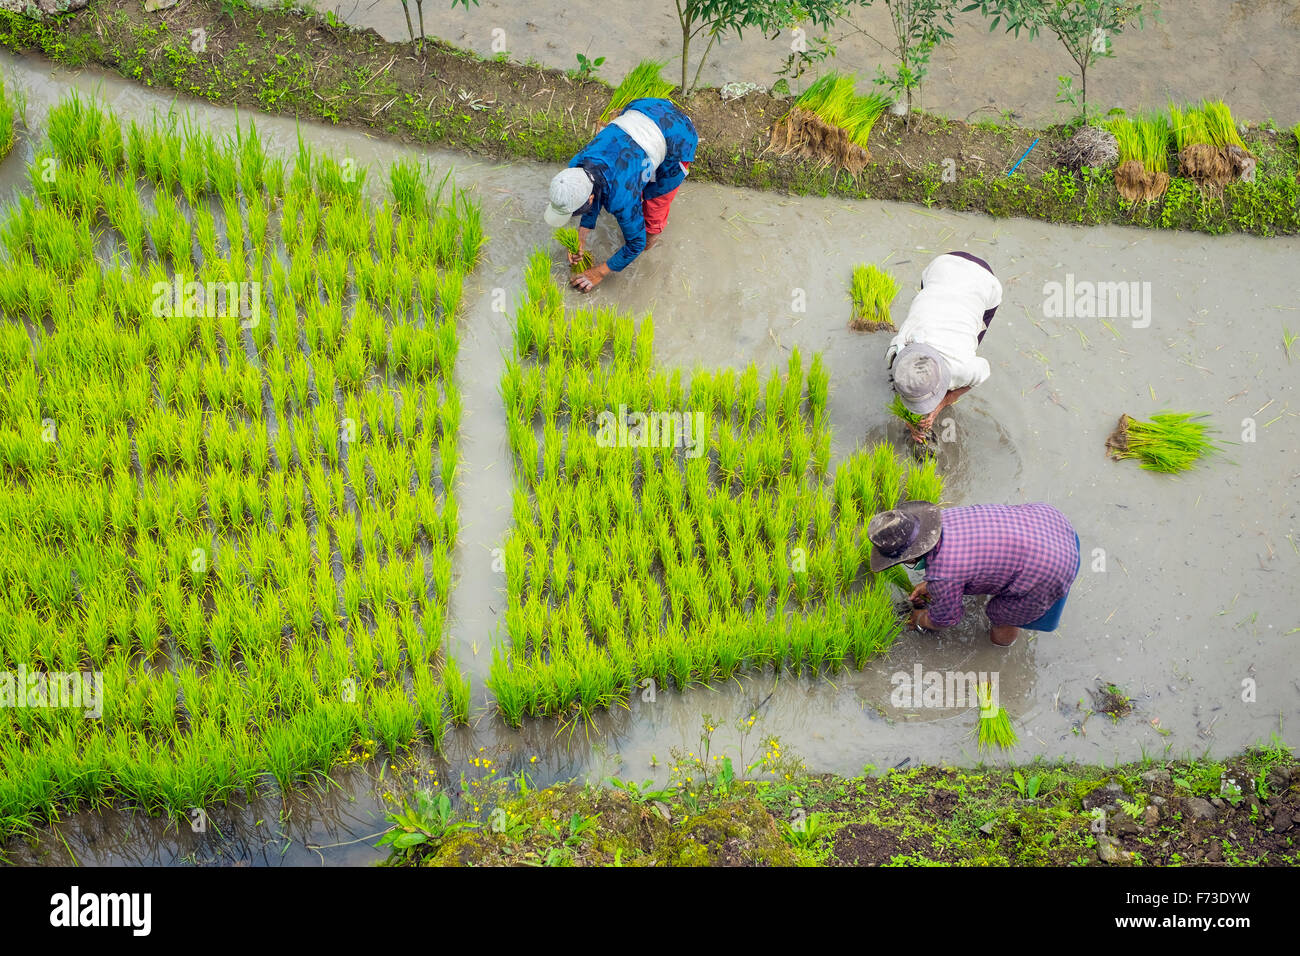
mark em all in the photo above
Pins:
pixel 676 531
pixel 227 462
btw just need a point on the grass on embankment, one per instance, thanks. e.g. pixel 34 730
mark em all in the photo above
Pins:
pixel 287 63
pixel 1236 812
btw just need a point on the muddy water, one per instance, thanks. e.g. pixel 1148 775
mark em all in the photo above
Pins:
pixel 1241 51
pixel 1193 591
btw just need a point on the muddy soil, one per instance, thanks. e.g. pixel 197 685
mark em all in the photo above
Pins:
pixel 1241 51
pixel 1186 594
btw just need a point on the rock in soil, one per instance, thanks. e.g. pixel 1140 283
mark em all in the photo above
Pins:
pixel 1282 821
pixel 1109 850
pixel 1124 824
pixel 1200 809
pixel 1155 776
pixel 1151 816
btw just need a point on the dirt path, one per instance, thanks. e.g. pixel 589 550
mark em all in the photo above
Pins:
pixel 1241 51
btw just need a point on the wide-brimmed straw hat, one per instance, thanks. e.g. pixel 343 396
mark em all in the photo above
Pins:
pixel 904 534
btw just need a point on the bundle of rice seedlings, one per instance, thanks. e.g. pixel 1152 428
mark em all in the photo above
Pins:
pixel 567 236
pixel 872 291
pixel 899 410
pixel 643 80
pixel 1171 442
pixel 994 724
pixel 1143 170
pixel 1199 157
pixel 830 123
pixel 1223 133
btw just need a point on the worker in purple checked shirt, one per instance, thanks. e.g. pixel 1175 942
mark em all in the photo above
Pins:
pixel 1025 557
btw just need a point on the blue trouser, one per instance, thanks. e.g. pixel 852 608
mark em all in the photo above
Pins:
pixel 1052 616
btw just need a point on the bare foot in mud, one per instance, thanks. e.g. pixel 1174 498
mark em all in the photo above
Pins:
pixel 650 240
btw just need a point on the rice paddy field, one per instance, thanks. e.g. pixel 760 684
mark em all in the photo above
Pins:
pixel 423 536
pixel 228 460
pixel 672 548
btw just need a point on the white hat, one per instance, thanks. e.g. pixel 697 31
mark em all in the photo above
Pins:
pixel 569 189
pixel 921 378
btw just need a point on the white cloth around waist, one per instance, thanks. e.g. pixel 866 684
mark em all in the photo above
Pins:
pixel 646 133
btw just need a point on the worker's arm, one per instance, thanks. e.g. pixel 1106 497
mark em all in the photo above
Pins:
pixel 944 609
pixel 632 223
pixel 927 422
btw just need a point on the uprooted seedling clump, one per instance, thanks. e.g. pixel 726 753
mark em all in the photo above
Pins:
pixel 1110 700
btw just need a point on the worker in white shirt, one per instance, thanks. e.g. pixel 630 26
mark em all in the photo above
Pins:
pixel 932 359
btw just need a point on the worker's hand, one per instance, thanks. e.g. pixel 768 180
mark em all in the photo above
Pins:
pixel 918 431
pixel 920 595
pixel 586 281
pixel 576 257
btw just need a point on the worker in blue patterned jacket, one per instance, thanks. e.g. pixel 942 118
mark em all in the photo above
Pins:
pixel 633 169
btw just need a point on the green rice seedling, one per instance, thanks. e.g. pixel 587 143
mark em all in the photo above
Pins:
pixel 818 385
pixel 830 97
pixel 1153 131
pixel 431 701
pixel 901 411
pixel 924 483
pixel 471 232
pixel 872 291
pixel 567 237
pixel 994 727
pixel 1170 442
pixel 642 81
pixel 8 114
pixel 1219 125
pixel 888 483
pixel 458 691
pixel 1188 128
pixel 862 116
pixel 409 191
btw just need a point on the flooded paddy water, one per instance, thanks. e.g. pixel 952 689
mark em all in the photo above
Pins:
pixel 1196 602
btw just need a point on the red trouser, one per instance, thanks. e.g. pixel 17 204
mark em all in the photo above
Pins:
pixel 655 210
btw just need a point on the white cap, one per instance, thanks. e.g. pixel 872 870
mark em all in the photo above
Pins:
pixel 569 189
pixel 921 378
